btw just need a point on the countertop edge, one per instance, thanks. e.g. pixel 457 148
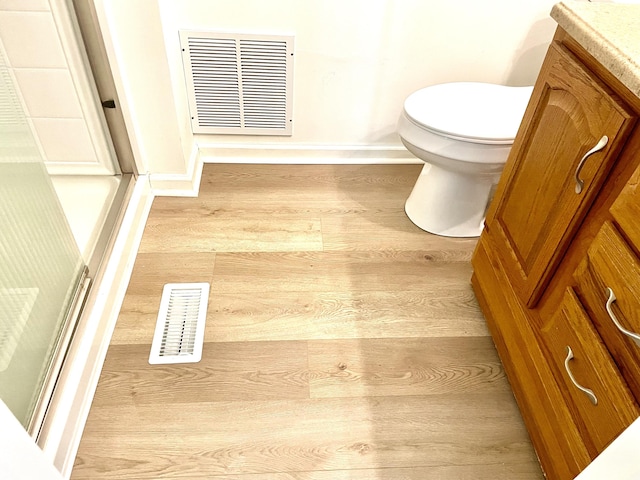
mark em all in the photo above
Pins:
pixel 613 57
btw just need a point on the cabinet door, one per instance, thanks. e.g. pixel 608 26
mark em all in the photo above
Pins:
pixel 539 209
pixel 598 397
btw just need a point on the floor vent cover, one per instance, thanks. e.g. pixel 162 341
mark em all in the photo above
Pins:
pixel 179 333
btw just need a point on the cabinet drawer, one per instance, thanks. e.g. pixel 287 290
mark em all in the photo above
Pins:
pixel 592 369
pixel 626 208
pixel 611 264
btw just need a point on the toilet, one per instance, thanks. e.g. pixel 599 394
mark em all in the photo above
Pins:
pixel 463 132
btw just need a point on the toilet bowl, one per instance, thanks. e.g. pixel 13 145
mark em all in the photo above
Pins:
pixel 463 132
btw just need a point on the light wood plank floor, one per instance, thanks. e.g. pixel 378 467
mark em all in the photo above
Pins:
pixel 342 342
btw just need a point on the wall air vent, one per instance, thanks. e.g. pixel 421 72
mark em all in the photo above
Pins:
pixel 238 83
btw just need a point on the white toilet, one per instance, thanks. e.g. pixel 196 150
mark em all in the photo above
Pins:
pixel 463 131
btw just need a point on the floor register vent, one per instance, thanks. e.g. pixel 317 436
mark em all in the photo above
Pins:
pixel 179 332
pixel 238 83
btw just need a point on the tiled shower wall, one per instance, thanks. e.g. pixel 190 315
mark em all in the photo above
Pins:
pixel 51 95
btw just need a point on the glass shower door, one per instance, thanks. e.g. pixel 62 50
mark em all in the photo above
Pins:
pixel 41 268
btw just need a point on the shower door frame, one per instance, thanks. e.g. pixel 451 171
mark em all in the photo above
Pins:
pixel 81 40
pixel 74 310
pixel 61 430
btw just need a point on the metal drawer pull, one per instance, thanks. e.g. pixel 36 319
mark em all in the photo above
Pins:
pixel 599 146
pixel 633 336
pixel 588 392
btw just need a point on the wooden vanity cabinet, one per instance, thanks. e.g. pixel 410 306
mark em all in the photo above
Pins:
pixel 555 436
pixel 597 396
pixel 573 131
pixel 549 252
pixel 626 210
pixel 612 268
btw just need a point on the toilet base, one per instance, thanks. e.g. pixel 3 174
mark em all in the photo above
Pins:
pixel 449 203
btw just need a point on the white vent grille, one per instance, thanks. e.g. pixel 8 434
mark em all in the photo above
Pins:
pixel 179 332
pixel 16 305
pixel 238 84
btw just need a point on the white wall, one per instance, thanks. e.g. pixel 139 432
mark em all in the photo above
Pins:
pixel 135 47
pixel 355 62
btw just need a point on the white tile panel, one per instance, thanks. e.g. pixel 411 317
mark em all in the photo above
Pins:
pixel 37 85
pixel 25 5
pixel 65 140
pixel 31 40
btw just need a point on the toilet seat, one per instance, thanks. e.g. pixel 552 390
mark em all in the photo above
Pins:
pixel 469 111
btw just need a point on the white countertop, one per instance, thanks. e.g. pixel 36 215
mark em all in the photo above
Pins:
pixel 608 31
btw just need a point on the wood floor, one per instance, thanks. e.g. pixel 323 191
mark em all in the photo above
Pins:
pixel 342 342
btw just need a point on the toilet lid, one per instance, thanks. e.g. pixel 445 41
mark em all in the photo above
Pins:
pixel 470 111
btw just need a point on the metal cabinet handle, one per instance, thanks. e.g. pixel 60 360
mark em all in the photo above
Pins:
pixel 612 298
pixel 588 392
pixel 599 146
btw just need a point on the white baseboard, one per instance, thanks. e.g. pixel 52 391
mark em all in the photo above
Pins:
pixel 188 184
pixel 179 185
pixel 62 430
pixel 305 154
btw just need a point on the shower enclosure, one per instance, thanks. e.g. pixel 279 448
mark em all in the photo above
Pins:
pixel 41 269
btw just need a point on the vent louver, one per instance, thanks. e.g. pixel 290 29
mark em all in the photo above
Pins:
pixel 238 84
pixel 179 332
